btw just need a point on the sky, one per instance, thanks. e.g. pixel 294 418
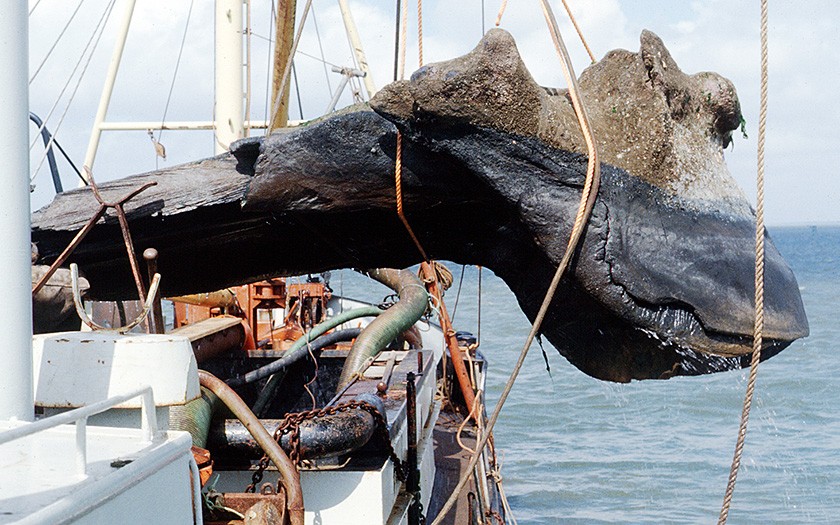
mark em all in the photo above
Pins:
pixel 702 35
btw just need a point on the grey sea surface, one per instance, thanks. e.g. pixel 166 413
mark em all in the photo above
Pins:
pixel 578 450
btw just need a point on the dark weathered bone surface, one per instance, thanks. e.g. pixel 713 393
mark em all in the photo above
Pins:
pixel 493 165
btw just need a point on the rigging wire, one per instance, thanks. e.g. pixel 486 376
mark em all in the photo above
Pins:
pixel 759 277
pixel 458 294
pixel 33 7
pixel 288 69
pixel 57 40
pixel 248 68
pixel 101 28
pixel 271 23
pixel 321 48
pixel 174 75
pixel 297 89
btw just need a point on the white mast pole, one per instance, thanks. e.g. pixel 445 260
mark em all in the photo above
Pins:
pixel 230 94
pixel 356 42
pixel 16 393
pixel 110 78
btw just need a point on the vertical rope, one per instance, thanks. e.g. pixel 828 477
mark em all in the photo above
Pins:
pixel 403 34
pixel 420 32
pixel 587 201
pixel 398 188
pixel 579 32
pixel 759 279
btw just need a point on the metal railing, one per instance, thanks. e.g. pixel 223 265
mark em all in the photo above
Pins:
pixel 79 416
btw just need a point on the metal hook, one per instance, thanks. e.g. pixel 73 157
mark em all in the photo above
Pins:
pixel 80 310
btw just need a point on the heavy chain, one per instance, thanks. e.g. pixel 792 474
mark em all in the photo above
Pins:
pixel 291 425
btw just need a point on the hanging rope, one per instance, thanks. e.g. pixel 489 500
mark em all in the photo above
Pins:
pixel 398 188
pixel 398 160
pixel 579 32
pixel 759 279
pixel 93 40
pixel 587 201
pixel 420 32
pixel 403 35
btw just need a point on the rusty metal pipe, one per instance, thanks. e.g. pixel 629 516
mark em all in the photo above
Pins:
pixel 289 476
pixel 449 333
pixel 218 299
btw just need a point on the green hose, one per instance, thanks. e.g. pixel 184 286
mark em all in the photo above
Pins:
pixel 381 331
pixel 194 417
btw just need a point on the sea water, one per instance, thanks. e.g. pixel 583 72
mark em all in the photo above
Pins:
pixel 578 450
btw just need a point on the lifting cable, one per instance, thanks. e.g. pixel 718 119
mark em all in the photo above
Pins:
pixel 759 278
pixel 587 201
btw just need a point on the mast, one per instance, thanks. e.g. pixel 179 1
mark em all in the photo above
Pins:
pixel 229 115
pixel 16 393
pixel 356 43
pixel 284 28
pixel 108 88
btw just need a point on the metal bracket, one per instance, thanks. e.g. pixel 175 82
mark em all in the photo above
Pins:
pixel 80 310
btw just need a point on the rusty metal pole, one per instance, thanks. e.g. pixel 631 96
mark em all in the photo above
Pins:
pixel 151 257
pixel 412 484
pixel 449 335
pixel 288 472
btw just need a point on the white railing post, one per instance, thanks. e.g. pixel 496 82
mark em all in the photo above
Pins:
pixel 148 415
pixel 81 446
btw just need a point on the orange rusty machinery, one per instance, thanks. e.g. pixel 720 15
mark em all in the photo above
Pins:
pixel 301 304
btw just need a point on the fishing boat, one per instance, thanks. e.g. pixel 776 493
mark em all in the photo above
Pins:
pixel 280 401
pixel 383 445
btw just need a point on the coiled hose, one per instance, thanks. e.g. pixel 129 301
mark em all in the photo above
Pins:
pixel 391 323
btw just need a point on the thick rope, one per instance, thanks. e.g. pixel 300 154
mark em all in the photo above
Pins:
pixel 398 160
pixel 579 32
pixel 403 36
pixel 759 279
pixel 587 201
pixel 398 187
pixel 420 32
